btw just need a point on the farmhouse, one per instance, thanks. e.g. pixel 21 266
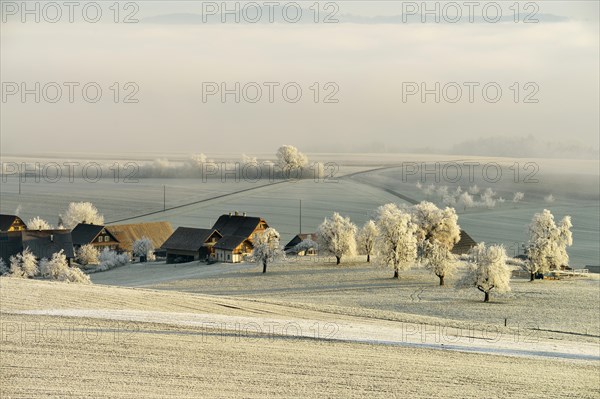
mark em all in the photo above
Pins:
pixel 11 223
pixel 238 233
pixel 463 245
pixel 233 249
pixel 187 244
pixel 289 247
pixel 95 235
pixel 126 234
pixel 42 243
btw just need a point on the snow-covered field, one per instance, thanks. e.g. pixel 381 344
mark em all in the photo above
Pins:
pixel 573 184
pixel 127 342
pixel 568 307
pixel 193 330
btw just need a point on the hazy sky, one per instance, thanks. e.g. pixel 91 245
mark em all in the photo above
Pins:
pixel 370 55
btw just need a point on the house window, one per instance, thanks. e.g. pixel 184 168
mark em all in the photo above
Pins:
pixel 228 257
pixel 105 238
pixel 100 239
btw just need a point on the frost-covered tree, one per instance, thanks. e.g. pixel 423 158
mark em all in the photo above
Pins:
pixel 436 224
pixel 3 268
pixel 246 159
pixel 440 261
pixel 87 255
pixel 549 198
pixel 488 198
pixel 81 212
pixel 143 247
pixel 449 200
pixel 266 248
pixel 23 265
pixel 548 242
pixel 37 223
pixel 466 200
pixel 366 239
pixel 109 259
pixel 337 235
pixel 518 197
pixel 437 233
pixel 57 268
pixel 288 158
pixel 197 160
pixel 487 270
pixel 474 190
pixel 396 244
pixel 442 192
pixel 304 246
pixel 429 190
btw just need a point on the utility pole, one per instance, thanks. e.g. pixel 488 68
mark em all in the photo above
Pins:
pixel 19 183
pixel 164 198
pixel 300 232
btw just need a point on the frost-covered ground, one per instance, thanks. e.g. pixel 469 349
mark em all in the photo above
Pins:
pixel 127 342
pixel 570 306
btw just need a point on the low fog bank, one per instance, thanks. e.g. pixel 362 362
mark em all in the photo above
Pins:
pixel 523 147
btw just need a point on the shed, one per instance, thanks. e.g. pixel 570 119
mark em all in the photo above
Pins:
pixel 463 245
pixel 187 244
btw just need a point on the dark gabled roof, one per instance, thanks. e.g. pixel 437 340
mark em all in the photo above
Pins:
pixel 237 225
pixel 464 245
pixel 298 238
pixel 45 243
pixel 189 238
pixel 230 243
pixel 86 233
pixel 7 220
pixel 42 243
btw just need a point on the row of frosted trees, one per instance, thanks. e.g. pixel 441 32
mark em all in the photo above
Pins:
pixel 423 234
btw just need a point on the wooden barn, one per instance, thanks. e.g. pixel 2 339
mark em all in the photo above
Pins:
pixel 464 245
pixel 187 244
pixel 93 234
pixel 238 233
pixel 11 223
pixel 42 243
pixel 233 249
pixel 127 234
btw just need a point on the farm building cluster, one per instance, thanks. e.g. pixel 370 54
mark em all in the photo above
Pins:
pixel 229 240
